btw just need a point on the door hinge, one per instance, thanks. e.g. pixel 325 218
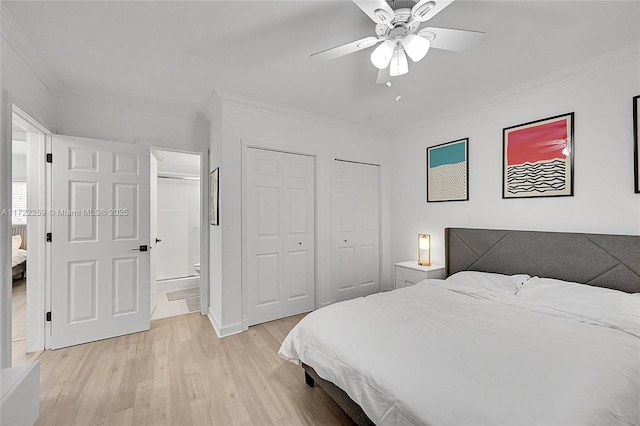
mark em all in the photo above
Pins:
pixel 48 317
pixel 49 157
pixel 48 237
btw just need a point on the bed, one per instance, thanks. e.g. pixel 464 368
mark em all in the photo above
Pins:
pixel 494 343
pixel 18 251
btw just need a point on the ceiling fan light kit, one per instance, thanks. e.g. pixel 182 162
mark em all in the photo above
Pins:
pixel 416 47
pixel 381 56
pixel 399 64
pixel 399 34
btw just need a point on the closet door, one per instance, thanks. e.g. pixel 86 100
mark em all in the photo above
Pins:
pixel 280 206
pixel 356 229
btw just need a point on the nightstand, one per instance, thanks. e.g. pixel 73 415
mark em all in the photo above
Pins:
pixel 409 273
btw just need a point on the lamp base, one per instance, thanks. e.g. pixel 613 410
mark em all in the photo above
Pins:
pixel 423 263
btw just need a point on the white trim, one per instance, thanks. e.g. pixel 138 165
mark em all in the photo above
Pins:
pixel 104 97
pixel 204 219
pixel 226 98
pixel 36 226
pixel 36 229
pixel 611 59
pixel 5 229
pixel 13 34
pixel 221 332
pixel 205 229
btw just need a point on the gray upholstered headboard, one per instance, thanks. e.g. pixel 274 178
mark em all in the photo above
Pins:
pixel 611 261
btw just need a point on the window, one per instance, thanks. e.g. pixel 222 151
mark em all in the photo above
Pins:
pixel 19 202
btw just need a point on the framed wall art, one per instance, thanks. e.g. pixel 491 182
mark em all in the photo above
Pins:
pixel 636 145
pixel 448 171
pixel 537 158
pixel 213 193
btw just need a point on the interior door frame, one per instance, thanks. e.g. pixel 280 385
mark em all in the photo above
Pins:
pixel 204 222
pixel 36 229
pixel 6 113
pixel 8 108
pixel 381 169
pixel 286 149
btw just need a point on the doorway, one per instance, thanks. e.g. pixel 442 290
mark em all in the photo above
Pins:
pixel 27 246
pixel 176 216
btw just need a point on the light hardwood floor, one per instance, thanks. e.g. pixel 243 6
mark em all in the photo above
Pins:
pixel 19 324
pixel 180 373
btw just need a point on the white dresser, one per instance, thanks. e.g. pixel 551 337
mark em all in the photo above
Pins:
pixel 409 273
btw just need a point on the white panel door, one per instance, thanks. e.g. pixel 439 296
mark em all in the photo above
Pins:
pixel 356 229
pixel 280 206
pixel 298 287
pixel 100 230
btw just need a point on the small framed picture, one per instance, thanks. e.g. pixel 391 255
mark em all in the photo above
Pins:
pixel 537 158
pixel 636 145
pixel 213 191
pixel 448 171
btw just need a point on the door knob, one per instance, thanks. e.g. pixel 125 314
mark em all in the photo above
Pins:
pixel 141 248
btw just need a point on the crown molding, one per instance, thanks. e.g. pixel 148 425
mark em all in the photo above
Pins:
pixel 104 97
pixel 16 38
pixel 614 58
pixel 226 98
pixel 13 34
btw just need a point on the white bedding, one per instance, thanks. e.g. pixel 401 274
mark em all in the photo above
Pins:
pixel 18 256
pixel 436 353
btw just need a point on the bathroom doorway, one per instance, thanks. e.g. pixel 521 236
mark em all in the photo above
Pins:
pixel 176 245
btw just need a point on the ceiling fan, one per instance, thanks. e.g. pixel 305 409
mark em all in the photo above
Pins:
pixel 399 34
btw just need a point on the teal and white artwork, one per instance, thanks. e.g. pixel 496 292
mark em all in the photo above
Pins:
pixel 448 171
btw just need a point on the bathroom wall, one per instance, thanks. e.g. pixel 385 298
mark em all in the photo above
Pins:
pixel 178 228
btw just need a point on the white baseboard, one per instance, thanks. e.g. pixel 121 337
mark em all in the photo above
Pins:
pixel 214 322
pixel 178 283
pixel 228 330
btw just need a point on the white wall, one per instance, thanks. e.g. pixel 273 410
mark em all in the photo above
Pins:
pixel 604 202
pixel 297 132
pixel 127 123
pixel 215 232
pixel 178 228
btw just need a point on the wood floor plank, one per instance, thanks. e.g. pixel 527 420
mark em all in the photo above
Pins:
pixel 180 373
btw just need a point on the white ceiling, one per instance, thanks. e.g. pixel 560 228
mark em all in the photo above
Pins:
pixel 178 53
pixel 173 163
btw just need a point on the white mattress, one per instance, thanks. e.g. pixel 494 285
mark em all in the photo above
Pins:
pixel 18 256
pixel 435 354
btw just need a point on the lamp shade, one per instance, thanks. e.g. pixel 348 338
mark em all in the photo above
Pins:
pixel 381 55
pixel 416 46
pixel 399 64
pixel 424 249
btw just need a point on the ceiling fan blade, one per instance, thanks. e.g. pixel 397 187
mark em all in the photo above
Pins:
pixel 345 49
pixel 383 76
pixel 378 10
pixel 427 9
pixel 451 39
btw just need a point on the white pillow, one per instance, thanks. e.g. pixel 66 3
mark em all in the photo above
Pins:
pixel 490 281
pixel 591 304
pixel 16 241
